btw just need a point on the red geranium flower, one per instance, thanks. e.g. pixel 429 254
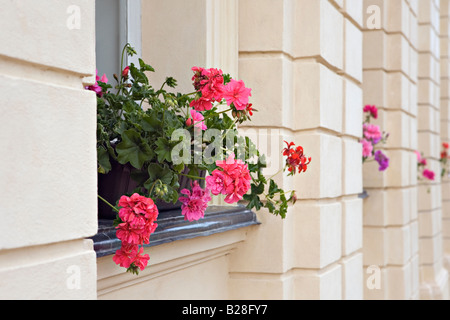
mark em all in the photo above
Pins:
pixel 296 159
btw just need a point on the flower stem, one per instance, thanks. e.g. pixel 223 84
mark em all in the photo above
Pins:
pixel 225 111
pixel 192 177
pixel 109 204
pixel 279 171
pixel 151 189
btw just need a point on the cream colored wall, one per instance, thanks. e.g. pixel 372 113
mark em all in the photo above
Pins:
pixel 303 60
pixel 390 213
pixel 48 164
pixel 445 123
pixel 403 215
pixel 433 276
pixel 194 269
pixel 312 66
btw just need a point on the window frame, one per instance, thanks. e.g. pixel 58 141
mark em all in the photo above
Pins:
pixel 173 227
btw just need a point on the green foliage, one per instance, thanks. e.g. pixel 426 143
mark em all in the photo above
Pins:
pixel 134 149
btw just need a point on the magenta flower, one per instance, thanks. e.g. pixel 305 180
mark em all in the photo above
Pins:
pixel 428 174
pixel 96 88
pixel 236 93
pixel 195 203
pixel 382 160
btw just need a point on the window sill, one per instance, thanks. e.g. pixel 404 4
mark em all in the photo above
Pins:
pixel 173 227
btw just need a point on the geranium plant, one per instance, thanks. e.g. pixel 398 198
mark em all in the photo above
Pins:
pixel 372 138
pixel 444 159
pixel 423 173
pixel 165 136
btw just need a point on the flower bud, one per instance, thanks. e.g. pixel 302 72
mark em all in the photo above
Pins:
pixel 125 72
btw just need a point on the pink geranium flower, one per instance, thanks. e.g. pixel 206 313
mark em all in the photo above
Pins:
pixel 367 148
pixel 419 156
pixel 202 104
pixel 420 160
pixel 212 84
pixel 138 215
pixel 96 88
pixel 372 110
pixel 131 234
pixel 141 259
pixel 196 120
pixel 236 93
pixel 372 132
pixel 195 202
pixel 126 255
pixel 216 182
pixel 137 205
pixel 237 180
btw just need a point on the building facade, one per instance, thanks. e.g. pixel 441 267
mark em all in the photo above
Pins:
pixel 354 233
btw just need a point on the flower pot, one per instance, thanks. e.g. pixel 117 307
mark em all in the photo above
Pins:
pixel 118 182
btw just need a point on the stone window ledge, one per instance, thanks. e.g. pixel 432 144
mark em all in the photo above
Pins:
pixel 173 227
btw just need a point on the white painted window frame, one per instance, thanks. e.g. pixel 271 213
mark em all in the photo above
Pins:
pixel 130 17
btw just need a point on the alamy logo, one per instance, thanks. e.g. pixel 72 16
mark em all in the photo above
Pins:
pixel 374 278
pixel 374 20
pixel 73 281
pixel 73 22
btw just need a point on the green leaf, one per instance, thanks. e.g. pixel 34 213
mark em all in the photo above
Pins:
pixel 270 206
pixel 163 150
pixel 139 176
pixel 151 124
pixel 258 189
pixel 144 66
pixel 253 201
pixel 104 165
pixel 130 106
pixel 226 78
pixel 138 75
pixel 157 172
pixel 179 167
pixel 134 149
pixel 273 188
